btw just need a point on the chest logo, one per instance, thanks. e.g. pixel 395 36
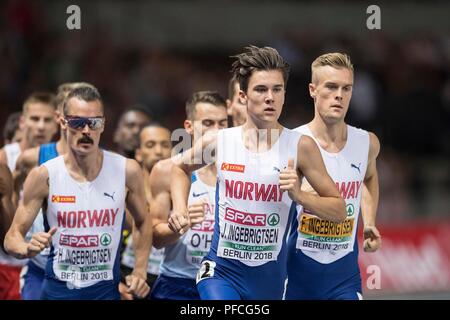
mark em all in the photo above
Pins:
pixel 232 167
pixel 356 167
pixel 63 199
pixel 106 194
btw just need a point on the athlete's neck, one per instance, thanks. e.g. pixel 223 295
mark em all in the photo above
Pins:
pixel 208 174
pixel 84 167
pixel 260 138
pixel 331 137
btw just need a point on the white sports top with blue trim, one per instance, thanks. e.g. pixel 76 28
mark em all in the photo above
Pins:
pixel 253 212
pixel 326 241
pixel 89 217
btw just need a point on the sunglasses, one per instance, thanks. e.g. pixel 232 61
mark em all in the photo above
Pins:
pixel 80 122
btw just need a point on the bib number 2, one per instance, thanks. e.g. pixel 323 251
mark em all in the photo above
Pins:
pixel 206 270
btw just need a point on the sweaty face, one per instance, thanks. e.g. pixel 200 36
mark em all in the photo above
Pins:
pixel 265 96
pixel 155 146
pixel 237 110
pixel 83 140
pixel 39 123
pixel 331 90
pixel 127 134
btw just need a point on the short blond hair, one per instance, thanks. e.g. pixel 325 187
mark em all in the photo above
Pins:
pixel 39 97
pixel 335 59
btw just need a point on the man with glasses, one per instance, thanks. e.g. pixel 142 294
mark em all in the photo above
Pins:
pixel 84 193
pixel 34 273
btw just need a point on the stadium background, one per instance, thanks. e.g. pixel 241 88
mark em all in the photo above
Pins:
pixel 156 53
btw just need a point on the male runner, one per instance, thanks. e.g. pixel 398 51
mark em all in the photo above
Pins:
pixel 205 112
pixel 323 255
pixel 130 124
pixel 84 193
pixel 38 126
pixel 34 273
pixel 155 145
pixel 256 164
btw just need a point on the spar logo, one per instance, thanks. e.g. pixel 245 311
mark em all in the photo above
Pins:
pixel 105 239
pixel 84 241
pixel 205 226
pixel 244 218
pixel 232 167
pixel 273 219
pixel 63 199
pixel 350 210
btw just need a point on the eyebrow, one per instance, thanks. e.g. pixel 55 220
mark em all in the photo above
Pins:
pixel 336 84
pixel 265 86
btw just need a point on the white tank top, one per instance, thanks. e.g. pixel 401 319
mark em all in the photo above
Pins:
pixel 253 212
pixel 12 152
pixel 326 241
pixel 89 217
pixel 199 237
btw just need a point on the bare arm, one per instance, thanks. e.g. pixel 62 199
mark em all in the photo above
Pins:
pixel 181 181
pixel 34 193
pixel 370 196
pixel 328 204
pixel 6 206
pixel 159 182
pixel 142 232
pixel 3 158
pixel 26 161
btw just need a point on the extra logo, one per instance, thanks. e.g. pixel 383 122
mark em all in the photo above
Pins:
pixel 350 210
pixel 232 167
pixel 63 199
pixel 105 239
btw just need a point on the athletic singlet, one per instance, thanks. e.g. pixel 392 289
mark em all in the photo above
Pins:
pixel 326 241
pixel 252 216
pixel 12 152
pixel 89 217
pixel 183 258
pixel 46 152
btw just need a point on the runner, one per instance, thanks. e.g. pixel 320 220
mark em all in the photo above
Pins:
pixel 84 210
pixel 328 256
pixel 155 145
pixel 206 112
pixel 256 164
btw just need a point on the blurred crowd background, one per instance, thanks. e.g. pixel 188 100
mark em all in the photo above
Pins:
pixel 156 53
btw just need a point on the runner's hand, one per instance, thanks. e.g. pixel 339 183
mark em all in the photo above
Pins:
pixel 289 180
pixel 39 242
pixel 123 290
pixel 137 285
pixel 179 222
pixel 372 239
pixel 196 212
